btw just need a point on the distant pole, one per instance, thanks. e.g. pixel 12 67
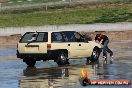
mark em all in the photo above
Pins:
pixel 0 6
pixel 46 7
pixel 70 1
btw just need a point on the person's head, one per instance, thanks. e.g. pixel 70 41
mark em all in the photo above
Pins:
pixel 97 35
pixel 102 33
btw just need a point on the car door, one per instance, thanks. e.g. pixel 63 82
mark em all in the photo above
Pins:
pixel 58 41
pixel 80 48
pixel 68 40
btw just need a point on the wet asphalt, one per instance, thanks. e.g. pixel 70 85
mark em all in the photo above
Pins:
pixel 15 74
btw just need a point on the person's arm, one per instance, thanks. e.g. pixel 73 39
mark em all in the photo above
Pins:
pixel 101 41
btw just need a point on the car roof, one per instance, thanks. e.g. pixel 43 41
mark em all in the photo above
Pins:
pixel 54 31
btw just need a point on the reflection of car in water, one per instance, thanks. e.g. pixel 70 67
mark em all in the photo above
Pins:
pixel 55 76
pixel 44 77
pixel 59 46
pixel 47 72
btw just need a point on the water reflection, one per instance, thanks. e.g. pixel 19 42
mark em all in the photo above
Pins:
pixel 8 52
pixel 58 77
pixel 54 72
pixel 44 77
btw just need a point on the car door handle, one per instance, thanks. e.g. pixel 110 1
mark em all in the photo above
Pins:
pixel 79 44
pixel 68 44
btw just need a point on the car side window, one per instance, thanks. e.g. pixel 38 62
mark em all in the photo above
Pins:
pixel 68 36
pixel 57 37
pixel 42 37
pixel 78 37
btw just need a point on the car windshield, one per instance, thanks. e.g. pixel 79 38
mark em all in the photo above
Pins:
pixel 34 37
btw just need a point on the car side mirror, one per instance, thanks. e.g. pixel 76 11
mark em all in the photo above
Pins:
pixel 86 40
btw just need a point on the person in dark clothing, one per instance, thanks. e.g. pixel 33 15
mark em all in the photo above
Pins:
pixel 104 40
pixel 97 37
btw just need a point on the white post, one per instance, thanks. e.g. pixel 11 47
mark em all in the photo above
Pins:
pixel 0 6
pixel 46 8
pixel 70 1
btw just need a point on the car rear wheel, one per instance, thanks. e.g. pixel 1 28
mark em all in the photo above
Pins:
pixel 30 62
pixel 62 59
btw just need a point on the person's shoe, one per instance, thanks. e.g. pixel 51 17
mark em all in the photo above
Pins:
pixel 111 58
pixel 105 59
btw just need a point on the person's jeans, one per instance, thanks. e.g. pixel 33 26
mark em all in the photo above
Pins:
pixel 106 49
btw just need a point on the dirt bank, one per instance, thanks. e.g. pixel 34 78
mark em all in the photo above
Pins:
pixel 113 35
pixel 8 41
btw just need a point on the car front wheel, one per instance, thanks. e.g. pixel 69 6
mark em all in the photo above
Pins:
pixel 95 56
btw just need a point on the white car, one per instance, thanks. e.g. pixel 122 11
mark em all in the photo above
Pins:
pixel 59 46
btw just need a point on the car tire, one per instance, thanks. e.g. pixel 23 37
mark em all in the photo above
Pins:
pixel 30 62
pixel 94 57
pixel 62 59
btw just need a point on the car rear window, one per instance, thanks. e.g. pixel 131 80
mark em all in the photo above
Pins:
pixel 38 37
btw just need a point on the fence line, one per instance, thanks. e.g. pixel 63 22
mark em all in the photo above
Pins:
pixel 48 4
pixel 38 5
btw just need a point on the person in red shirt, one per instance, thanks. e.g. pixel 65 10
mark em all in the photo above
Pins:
pixel 104 40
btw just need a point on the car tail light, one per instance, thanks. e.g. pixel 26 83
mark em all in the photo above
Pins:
pixel 48 46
